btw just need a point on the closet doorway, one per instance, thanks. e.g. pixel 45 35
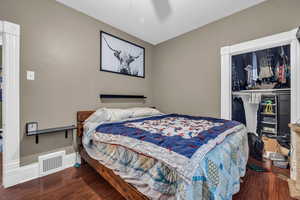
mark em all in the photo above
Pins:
pixel 268 83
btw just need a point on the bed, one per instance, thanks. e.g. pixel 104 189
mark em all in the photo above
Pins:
pixel 145 154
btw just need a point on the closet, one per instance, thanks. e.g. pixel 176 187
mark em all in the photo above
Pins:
pixel 260 87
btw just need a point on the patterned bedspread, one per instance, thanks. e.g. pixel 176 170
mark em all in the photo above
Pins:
pixel 216 177
pixel 178 141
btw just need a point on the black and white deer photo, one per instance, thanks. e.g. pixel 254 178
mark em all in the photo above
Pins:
pixel 120 56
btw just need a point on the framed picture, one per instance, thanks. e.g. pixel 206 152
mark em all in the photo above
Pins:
pixel 121 56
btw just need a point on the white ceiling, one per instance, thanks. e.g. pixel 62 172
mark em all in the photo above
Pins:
pixel 156 21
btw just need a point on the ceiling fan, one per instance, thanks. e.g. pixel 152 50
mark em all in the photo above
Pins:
pixel 162 8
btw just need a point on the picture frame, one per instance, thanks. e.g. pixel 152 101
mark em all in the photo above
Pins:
pixel 121 56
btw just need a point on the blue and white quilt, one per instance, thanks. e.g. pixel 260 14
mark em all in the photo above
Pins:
pixel 217 172
pixel 179 141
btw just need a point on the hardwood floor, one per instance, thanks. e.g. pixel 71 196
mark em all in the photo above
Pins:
pixel 82 183
pixel 0 168
pixel 85 184
pixel 265 185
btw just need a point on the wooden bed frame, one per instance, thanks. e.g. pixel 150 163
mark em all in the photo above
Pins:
pixel 128 191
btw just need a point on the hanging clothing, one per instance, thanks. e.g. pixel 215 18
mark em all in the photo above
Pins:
pixel 255 98
pixel 252 72
pixel 235 80
pixel 238 110
pixel 239 63
pixel 249 70
pixel 265 64
pixel 254 67
pixel 282 70
pixel 259 119
pixel 239 75
pixel 251 113
pixel 281 74
pixel 265 72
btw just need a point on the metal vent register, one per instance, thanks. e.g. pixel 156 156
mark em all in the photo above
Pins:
pixel 51 163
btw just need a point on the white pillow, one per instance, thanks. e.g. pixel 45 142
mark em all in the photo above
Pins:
pixel 99 116
pixel 143 111
pixel 118 114
pixel 112 114
pixel 91 123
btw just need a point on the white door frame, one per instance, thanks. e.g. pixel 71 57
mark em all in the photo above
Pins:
pixel 11 101
pixel 285 38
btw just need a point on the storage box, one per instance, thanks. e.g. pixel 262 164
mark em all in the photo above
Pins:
pixel 273 148
pixel 270 145
pixel 281 164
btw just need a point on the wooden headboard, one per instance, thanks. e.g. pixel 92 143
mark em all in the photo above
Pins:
pixel 81 117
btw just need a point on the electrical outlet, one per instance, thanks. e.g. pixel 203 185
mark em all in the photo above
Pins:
pixel 30 75
pixel 31 127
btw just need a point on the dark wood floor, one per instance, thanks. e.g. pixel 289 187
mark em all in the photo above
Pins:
pixel 270 185
pixel 85 184
pixel 0 168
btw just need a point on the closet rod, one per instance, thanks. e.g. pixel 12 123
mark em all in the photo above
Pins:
pixel 250 93
pixel 264 90
pixel 240 93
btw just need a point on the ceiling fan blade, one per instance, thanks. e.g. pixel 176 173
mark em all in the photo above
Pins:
pixel 162 8
pixel 298 34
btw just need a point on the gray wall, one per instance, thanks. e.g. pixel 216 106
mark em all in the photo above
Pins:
pixel 186 74
pixel 62 46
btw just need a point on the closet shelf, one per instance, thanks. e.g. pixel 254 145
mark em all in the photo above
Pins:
pixel 272 123
pixel 270 132
pixel 264 104
pixel 269 114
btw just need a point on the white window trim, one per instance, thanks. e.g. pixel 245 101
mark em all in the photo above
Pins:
pixel 285 38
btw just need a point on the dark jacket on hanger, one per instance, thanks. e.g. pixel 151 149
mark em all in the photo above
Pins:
pixel 259 120
pixel 240 75
pixel 238 110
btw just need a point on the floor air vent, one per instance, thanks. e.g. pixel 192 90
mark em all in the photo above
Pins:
pixel 51 163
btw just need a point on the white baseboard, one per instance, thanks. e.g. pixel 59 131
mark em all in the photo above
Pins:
pixel 70 160
pixel 30 172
